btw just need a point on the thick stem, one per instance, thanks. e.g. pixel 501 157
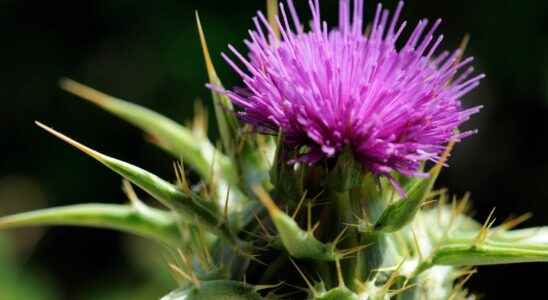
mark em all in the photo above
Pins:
pixel 350 239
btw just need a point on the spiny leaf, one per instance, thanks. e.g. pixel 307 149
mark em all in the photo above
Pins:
pixel 497 247
pixel 401 213
pixel 224 112
pixel 242 149
pixel 299 243
pixel 176 139
pixel 149 223
pixel 339 293
pixel 465 253
pixel 214 290
pixel 187 205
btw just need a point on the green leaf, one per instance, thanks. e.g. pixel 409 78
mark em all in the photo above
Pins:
pixel 339 293
pixel 403 212
pixel 489 252
pixel 176 139
pixel 189 206
pixel 224 112
pixel 215 290
pixel 149 223
pixel 490 247
pixel 299 243
pixel 244 151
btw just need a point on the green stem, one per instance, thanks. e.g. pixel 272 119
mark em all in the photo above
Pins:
pixel 350 239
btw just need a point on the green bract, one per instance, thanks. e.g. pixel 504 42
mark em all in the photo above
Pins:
pixel 256 227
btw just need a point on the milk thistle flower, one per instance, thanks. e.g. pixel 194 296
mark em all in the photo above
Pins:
pixel 328 90
pixel 238 227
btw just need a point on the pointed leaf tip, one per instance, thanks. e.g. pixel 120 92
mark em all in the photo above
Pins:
pixel 83 91
pixel 169 195
pixel 227 122
pixel 265 199
pixel 77 145
pixel 213 78
pixel 174 138
pixel 401 213
pixel 299 243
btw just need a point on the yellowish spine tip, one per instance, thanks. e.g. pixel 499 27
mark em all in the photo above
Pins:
pixel 98 156
pixel 484 231
pixel 514 222
pixel 84 91
pixel 340 276
pixel 272 12
pixel 265 199
pixel 308 283
pixel 209 63
pixel 444 157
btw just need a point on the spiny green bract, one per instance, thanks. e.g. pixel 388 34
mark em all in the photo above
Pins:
pixel 258 228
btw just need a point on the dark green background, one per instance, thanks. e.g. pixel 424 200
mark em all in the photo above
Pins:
pixel 148 52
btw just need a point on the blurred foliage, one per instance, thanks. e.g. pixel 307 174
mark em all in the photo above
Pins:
pixel 17 283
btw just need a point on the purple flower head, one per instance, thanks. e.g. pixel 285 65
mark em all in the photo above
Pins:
pixel 335 89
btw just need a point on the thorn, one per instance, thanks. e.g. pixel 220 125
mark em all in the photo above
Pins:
pixel 180 175
pixel 244 137
pixel 310 286
pixel 465 272
pixel 84 92
pixel 188 265
pixel 209 64
pixel 368 30
pixel 437 193
pixel 127 188
pixel 272 12
pixel 402 242
pixel 391 280
pixel 348 252
pixel 200 121
pixel 309 216
pixel 417 244
pixel 339 237
pixel 98 156
pixel 254 258
pixel 267 286
pixel 205 249
pixel 340 276
pixel 265 199
pixel 459 286
pixel 299 205
pixel 263 227
pixel 403 289
pixel 181 273
pixel 457 209
pixel 513 223
pixel 484 231
pixel 462 47
pixel 315 227
pixel 443 159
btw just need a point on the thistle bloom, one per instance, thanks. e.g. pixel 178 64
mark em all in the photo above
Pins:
pixel 331 90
